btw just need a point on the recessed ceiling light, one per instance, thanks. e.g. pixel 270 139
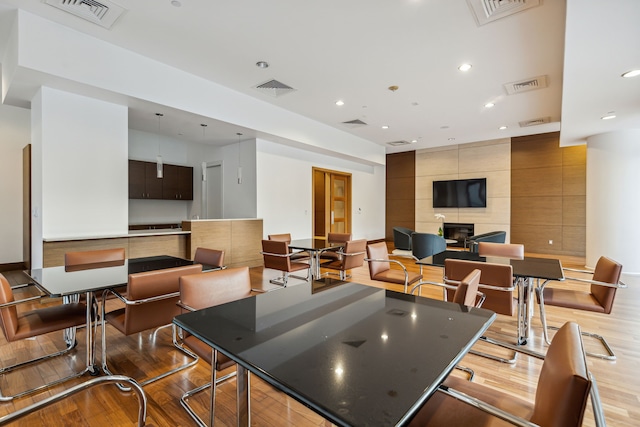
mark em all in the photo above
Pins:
pixel 413 141
pixel 385 127
pixel 339 102
pixel 176 3
pixel 610 115
pixel 489 105
pixel 464 67
pixel 502 127
pixel 632 73
pixel 262 64
pixel 451 139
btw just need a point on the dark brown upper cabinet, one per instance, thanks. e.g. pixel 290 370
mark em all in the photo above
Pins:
pixel 176 183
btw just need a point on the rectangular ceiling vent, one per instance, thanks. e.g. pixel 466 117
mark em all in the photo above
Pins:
pixel 398 143
pixel 274 88
pixel 354 123
pixel 103 13
pixel 535 122
pixel 526 85
pixel 486 11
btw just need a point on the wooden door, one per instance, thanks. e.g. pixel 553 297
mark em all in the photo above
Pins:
pixel 339 203
pixel 331 202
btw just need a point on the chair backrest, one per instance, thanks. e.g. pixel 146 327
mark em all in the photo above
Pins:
pixel 8 315
pixel 563 385
pixel 211 288
pixel 427 244
pixel 607 271
pixel 93 257
pixel 467 291
pixel 277 247
pixel 280 237
pixel 402 238
pixel 492 236
pixel 357 247
pixel 506 250
pixel 338 237
pixel 377 251
pixel 139 317
pixel 491 274
pixel 212 257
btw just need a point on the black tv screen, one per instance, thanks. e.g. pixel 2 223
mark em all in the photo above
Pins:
pixel 460 193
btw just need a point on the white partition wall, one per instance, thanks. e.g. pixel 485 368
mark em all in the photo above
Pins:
pixel 613 198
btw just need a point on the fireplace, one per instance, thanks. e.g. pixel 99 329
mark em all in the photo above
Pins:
pixel 458 232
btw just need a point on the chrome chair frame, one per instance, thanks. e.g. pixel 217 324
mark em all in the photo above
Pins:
pixel 174 335
pixel 70 340
pixel 343 273
pixel 284 279
pixel 142 398
pixel 543 318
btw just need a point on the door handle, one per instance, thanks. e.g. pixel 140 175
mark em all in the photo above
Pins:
pixel 332 217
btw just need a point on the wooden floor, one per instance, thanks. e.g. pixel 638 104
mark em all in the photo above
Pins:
pixel 138 356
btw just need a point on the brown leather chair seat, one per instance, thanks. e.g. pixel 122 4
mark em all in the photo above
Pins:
pixel 381 269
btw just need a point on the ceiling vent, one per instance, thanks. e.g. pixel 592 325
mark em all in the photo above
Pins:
pixel 535 122
pixel 526 85
pixel 398 143
pixel 486 11
pixel 104 13
pixel 274 88
pixel 354 123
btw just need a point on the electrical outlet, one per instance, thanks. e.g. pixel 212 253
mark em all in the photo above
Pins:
pixel 551 242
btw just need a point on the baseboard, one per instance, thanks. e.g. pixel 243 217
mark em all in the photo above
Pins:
pixel 12 266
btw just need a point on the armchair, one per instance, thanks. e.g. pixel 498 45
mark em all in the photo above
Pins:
pixel 402 238
pixel 380 267
pixel 505 250
pixel 210 257
pixel 351 256
pixel 471 243
pixel 277 256
pixel 598 298
pixel 18 326
pixel 198 291
pixel 564 386
pixel 286 237
pixel 150 303
pixel 426 244
pixel 332 255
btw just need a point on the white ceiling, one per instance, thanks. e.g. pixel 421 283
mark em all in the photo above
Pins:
pixel 354 50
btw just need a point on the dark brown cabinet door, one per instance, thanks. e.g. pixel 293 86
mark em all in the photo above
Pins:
pixel 137 187
pixel 170 190
pixel 152 182
pixel 176 182
pixel 185 182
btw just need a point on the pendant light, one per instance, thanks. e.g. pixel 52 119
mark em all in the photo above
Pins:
pixel 159 158
pixel 239 160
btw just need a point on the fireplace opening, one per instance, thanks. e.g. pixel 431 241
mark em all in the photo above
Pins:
pixel 457 232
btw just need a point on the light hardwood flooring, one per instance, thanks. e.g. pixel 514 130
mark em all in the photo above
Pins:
pixel 137 356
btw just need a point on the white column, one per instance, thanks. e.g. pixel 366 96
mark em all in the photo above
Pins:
pixel 613 198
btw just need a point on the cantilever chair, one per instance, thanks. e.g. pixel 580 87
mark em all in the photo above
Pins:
pixel 286 237
pixel 142 398
pixel 151 302
pixel 18 326
pixel 277 256
pixel 380 267
pixel 351 256
pixel 402 238
pixel 198 291
pixel 563 390
pixel 496 283
pixel 210 257
pixel 333 238
pixel 504 250
pixel 599 298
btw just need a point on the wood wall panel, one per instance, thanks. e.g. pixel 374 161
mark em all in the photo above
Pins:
pixel 173 245
pixel 53 252
pixel 400 192
pixel 246 243
pixel 548 188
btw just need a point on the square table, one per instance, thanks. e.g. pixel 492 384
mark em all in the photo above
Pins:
pixel 355 354
pixel 315 247
pixel 524 271
pixel 69 281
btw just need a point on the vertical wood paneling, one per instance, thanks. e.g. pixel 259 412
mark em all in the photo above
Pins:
pixel 400 192
pixel 548 194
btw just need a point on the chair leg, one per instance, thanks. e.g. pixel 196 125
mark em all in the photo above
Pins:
pixel 492 356
pixel 469 371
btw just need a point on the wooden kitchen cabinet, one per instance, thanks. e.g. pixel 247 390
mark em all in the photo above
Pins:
pixel 176 183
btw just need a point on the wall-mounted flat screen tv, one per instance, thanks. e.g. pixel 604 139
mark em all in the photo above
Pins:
pixel 460 193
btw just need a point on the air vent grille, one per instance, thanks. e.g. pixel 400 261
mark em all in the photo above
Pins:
pixel 397 143
pixel 526 85
pixel 535 122
pixel 354 123
pixel 486 11
pixel 103 13
pixel 274 88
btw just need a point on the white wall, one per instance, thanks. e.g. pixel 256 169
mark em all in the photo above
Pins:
pixel 284 180
pixel 83 148
pixel 613 201
pixel 240 199
pixel 14 135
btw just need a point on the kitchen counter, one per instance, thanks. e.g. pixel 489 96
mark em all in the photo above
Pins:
pixel 130 233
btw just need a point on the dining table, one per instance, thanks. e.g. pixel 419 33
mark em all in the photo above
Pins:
pixel 357 355
pixel 525 271
pixel 89 279
pixel 315 247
